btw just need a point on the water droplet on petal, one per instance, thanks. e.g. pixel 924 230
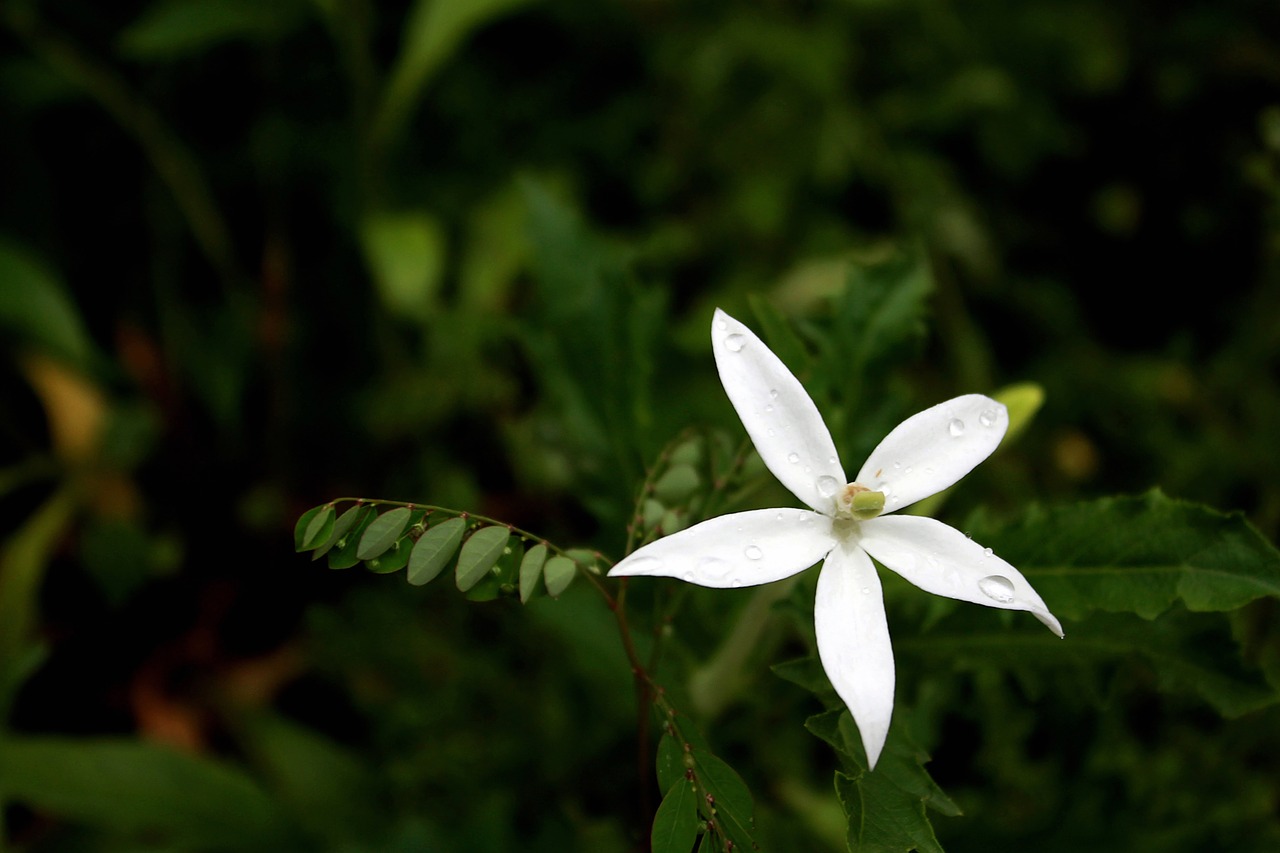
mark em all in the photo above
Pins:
pixel 908 471
pixel 769 408
pixel 688 576
pixel 714 568
pixel 722 325
pixel 827 486
pixel 780 517
pixel 773 394
pixel 831 460
pixel 735 583
pixel 997 588
pixel 793 458
pixel 987 552
pixel 955 427
pixel 735 343
pixel 988 417
pixel 866 590
pixel 644 565
pixel 897 465
pixel 753 553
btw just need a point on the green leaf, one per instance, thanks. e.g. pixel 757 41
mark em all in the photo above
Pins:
pixel 670 763
pixel 882 310
pixel 303 524
pixel 729 800
pixel 1138 555
pixel 137 787
pixel 434 550
pixel 677 484
pixel 341 528
pixel 383 532
pixel 326 787
pixel 481 551
pixel 343 555
pixel 175 28
pixel 431 33
pixel 503 577
pixel 393 559
pixel 406 253
pixel 558 573
pixel 675 826
pixel 886 808
pixel 780 336
pixel 531 571
pixel 318 528
pixel 35 307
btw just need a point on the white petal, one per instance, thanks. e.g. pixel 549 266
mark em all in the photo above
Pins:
pixel 933 449
pixel 741 549
pixel 942 560
pixel 853 642
pixel 778 413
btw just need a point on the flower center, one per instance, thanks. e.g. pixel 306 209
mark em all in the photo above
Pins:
pixel 858 502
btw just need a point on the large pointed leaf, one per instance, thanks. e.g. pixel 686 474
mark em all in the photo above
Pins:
pixel 130 786
pixel 1137 555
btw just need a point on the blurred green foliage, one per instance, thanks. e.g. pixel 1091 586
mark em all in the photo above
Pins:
pixel 256 256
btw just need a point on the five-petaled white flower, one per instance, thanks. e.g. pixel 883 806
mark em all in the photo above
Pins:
pixel 925 454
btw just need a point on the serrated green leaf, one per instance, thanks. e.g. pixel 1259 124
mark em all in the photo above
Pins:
pixel 481 550
pixel 343 555
pixel 557 574
pixel 531 571
pixel 1137 555
pixel 132 786
pixel 382 532
pixel 434 550
pixel 341 528
pixel 319 528
pixel 675 826
pixel 886 809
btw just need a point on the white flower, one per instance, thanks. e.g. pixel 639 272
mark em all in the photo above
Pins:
pixel 849 521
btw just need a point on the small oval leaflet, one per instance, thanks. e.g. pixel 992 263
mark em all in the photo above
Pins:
pixel 531 571
pixel 480 552
pixel 343 555
pixel 393 560
pixel 383 532
pixel 675 826
pixel 304 524
pixel 558 574
pixel 436 547
pixel 318 529
pixel 340 529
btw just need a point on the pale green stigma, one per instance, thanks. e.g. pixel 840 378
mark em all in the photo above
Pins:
pixel 859 503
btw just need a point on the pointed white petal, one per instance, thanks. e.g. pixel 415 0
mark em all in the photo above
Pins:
pixel 778 413
pixel 931 450
pixel 741 549
pixel 942 560
pixel 853 642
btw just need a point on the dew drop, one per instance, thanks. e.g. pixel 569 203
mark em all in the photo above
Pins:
pixel 987 552
pixel 997 588
pixel 735 583
pixel 780 517
pixel 831 460
pixel 644 565
pixel 753 552
pixel 769 408
pixel 793 458
pixel 897 465
pixel 866 590
pixel 714 568
pixel 735 343
pixel 988 418
pixel 908 471
pixel 827 486
pixel 688 576
pixel 722 325
pixel 955 426
pixel 773 394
